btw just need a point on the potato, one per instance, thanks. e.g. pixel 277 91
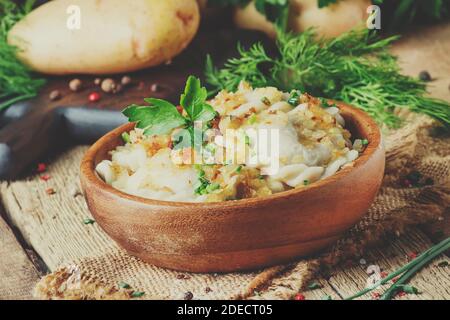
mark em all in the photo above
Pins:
pixel 330 21
pixel 114 36
pixel 250 18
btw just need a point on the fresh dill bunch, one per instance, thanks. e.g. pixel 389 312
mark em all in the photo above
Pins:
pixel 355 67
pixel 17 82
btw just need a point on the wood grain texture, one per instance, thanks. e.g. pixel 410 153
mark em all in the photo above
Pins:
pixel 18 275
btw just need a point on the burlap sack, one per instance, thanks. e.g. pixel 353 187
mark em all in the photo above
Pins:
pixel 96 274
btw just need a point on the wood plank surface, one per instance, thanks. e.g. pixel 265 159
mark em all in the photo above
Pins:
pixel 18 275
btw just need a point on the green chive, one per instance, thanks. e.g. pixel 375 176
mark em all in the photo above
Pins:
pixel 305 182
pixel 239 169
pixel 294 98
pixel 365 142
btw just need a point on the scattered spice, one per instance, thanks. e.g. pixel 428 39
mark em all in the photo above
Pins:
pixel 208 290
pixel 41 167
pixel 88 221
pixel 108 85
pixel 401 293
pixel 50 191
pixel 376 295
pixel 54 95
pixel 123 285
pixel 45 177
pixel 188 296
pixel 299 296
pixel 412 255
pixel 154 87
pixel 75 85
pixel 126 80
pixel 425 76
pixel 383 274
pixel 94 97
pixel 182 276
pixel 314 285
pixel 442 264
pixel 137 294
pixel 395 280
pixel 118 88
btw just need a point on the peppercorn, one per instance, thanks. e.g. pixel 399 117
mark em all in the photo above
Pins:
pixel 425 76
pixel 54 95
pixel 154 87
pixel 108 85
pixel 188 296
pixel 126 80
pixel 75 85
pixel 94 97
pixel 50 191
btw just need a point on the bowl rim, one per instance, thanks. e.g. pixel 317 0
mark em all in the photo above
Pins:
pixel 87 169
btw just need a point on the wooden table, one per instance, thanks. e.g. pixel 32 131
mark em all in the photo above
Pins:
pixel 21 267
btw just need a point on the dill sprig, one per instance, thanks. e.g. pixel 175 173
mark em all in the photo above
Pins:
pixel 17 82
pixel 355 67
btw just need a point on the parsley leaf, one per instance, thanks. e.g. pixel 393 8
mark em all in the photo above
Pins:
pixel 159 118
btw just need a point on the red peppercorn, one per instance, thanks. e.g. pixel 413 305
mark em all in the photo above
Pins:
pixel 45 177
pixel 376 295
pixel 94 97
pixel 41 167
pixel 299 296
pixel 383 274
pixel 401 294
pixel 395 280
pixel 180 109
pixel 412 255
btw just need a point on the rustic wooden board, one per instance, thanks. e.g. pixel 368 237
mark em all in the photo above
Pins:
pixel 18 275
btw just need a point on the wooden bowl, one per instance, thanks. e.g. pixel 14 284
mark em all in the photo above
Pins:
pixel 242 234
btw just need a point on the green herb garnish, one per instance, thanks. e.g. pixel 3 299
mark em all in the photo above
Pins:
pixel 161 117
pixel 239 169
pixel 305 182
pixel 137 294
pixel 17 81
pixel 124 285
pixel 126 137
pixel 314 286
pixel 294 98
pixel 88 221
pixel 364 142
pixel 355 67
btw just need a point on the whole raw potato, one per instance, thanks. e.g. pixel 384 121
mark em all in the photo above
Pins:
pixel 329 21
pixel 114 35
